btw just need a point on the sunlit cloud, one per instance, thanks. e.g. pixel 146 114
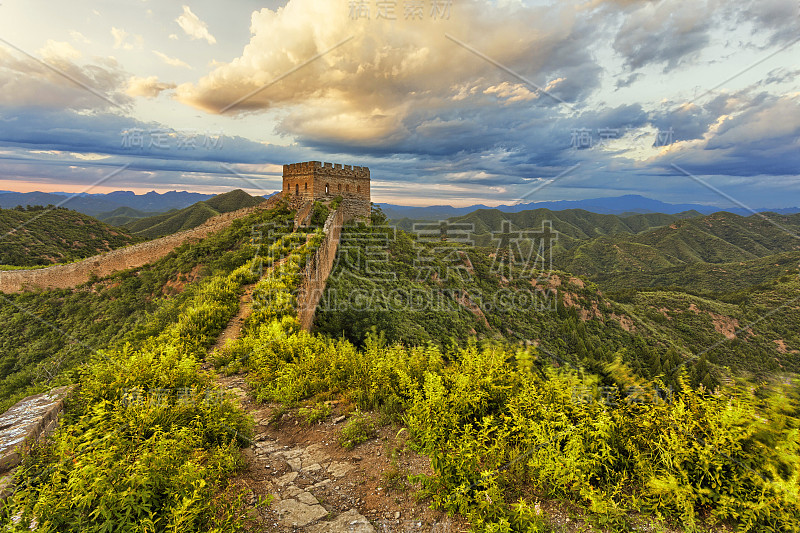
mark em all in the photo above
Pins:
pixel 193 26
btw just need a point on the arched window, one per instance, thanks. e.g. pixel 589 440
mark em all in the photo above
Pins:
pixel 346 188
pixel 296 189
pixel 358 188
pixel 327 188
pixel 340 187
pixel 306 186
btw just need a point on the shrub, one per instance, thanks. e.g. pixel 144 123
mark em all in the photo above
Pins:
pixel 315 413
pixel 358 429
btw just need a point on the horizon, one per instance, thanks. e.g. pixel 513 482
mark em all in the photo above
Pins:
pixel 410 205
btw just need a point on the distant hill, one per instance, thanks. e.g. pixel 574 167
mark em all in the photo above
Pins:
pixel 618 205
pixel 573 225
pixel 721 252
pixel 714 239
pixel 653 330
pixel 192 216
pixel 124 215
pixel 704 277
pixel 40 236
pixel 95 204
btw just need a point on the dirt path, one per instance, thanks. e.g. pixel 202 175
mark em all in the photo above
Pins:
pixel 317 486
pixel 234 328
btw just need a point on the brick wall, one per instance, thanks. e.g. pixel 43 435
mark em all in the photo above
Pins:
pixel 323 181
pixel 315 275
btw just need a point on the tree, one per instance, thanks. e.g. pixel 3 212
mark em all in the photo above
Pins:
pixel 378 217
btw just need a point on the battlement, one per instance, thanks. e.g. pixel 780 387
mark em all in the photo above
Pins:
pixel 316 180
pixel 326 169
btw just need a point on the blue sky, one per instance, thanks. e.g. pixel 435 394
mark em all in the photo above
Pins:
pixel 459 103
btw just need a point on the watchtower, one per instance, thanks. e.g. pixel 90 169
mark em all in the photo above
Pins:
pixel 314 180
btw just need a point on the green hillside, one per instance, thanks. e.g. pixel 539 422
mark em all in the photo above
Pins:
pixel 721 252
pixel 712 278
pixel 458 293
pixel 47 334
pixel 573 225
pixel 123 215
pixel 43 236
pixel 192 216
pixel 716 239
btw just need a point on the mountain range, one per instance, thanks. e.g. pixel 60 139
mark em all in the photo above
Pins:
pixel 153 202
pixel 617 205
pixel 95 204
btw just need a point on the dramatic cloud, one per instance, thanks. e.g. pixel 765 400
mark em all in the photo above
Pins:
pixel 780 19
pixel 663 33
pixel 393 86
pixel 193 26
pixel 760 138
pixel 484 103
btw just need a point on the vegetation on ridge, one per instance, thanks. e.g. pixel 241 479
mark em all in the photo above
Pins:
pixel 41 236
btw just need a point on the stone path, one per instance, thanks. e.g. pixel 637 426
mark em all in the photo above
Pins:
pixel 234 327
pixel 300 478
pixel 310 469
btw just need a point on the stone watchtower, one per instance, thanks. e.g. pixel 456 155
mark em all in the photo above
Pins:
pixel 314 180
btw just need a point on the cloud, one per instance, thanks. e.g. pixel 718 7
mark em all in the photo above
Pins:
pixel 78 37
pixel 749 136
pixel 780 19
pixel 104 133
pixel 148 87
pixel 57 81
pixel 392 77
pixel 193 26
pixel 58 51
pixel 173 61
pixel 669 33
pixel 512 92
pixel 121 39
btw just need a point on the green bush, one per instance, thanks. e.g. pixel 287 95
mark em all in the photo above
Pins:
pixel 315 413
pixel 360 428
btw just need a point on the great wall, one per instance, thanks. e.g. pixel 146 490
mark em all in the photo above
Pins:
pixel 313 278
pixel 303 183
pixel 105 264
pixel 315 275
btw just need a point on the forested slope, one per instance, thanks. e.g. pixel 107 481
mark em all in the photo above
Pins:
pixel 48 235
pixel 192 216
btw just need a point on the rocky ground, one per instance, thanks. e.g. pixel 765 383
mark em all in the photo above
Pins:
pixel 317 486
